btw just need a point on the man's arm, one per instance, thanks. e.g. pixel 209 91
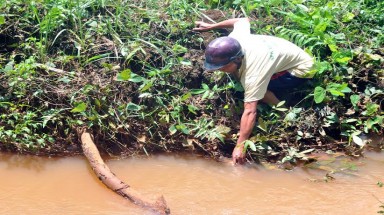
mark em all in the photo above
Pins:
pixel 229 23
pixel 247 123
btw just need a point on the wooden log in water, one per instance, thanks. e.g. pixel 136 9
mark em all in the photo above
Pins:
pixel 108 178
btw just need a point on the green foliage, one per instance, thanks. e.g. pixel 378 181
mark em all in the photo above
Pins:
pixel 125 68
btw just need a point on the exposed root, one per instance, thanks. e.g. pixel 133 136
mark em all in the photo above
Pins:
pixel 112 182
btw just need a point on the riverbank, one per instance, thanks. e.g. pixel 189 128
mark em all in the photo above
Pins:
pixel 133 75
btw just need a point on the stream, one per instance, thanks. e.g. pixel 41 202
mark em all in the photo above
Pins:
pixel 192 185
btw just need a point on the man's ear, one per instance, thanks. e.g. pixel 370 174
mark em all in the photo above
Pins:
pixel 238 59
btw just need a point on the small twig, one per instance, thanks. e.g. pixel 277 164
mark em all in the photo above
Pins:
pixel 43 66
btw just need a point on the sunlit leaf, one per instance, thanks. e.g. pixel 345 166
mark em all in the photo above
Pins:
pixel 281 103
pixel 178 49
pixel 81 107
pixel 192 109
pixel 124 75
pixel 354 99
pixel 319 94
pixel 146 87
pixel 348 17
pixel 249 144
pixel 183 128
pixel 319 28
pixel 371 108
pixel 186 96
pixel 343 60
pixel 172 129
pixel 2 20
pixel 205 95
pixel 358 140
pixel 336 92
pixel 262 124
pixel 374 121
pixel 281 109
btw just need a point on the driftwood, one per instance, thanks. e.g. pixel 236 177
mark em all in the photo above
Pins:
pixel 112 182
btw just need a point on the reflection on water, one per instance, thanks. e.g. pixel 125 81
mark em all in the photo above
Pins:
pixel 35 185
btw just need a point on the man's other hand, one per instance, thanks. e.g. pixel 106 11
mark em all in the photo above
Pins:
pixel 202 26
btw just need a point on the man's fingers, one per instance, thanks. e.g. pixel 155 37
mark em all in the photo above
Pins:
pixel 237 160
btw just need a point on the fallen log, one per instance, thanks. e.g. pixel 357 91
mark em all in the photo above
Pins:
pixel 108 178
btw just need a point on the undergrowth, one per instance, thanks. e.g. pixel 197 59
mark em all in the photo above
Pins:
pixel 131 71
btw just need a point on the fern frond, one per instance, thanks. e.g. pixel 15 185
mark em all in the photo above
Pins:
pixel 299 38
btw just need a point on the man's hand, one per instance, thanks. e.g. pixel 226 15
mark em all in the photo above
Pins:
pixel 202 26
pixel 238 155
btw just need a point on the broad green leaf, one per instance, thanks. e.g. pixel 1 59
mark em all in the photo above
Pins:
pixel 205 86
pixel 374 121
pixel 183 128
pixel 249 144
pixel 205 95
pixel 133 107
pixel 178 49
pixel 333 47
pixel 348 17
pixel 262 124
pixel 355 99
pixel 321 27
pixel 336 92
pixel 2 20
pixel 136 78
pixel 290 116
pixel 319 94
pixel 172 129
pixel 146 87
pixel 322 66
pixel 346 90
pixel 192 109
pixel 186 96
pixel 343 60
pixel 124 75
pixel 372 108
pixel 93 24
pixel 81 107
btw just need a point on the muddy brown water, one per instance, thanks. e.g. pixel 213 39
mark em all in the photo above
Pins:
pixel 191 185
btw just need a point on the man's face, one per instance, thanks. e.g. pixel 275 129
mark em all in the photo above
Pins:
pixel 229 68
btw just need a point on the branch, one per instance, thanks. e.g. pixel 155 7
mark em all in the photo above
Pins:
pixel 112 182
